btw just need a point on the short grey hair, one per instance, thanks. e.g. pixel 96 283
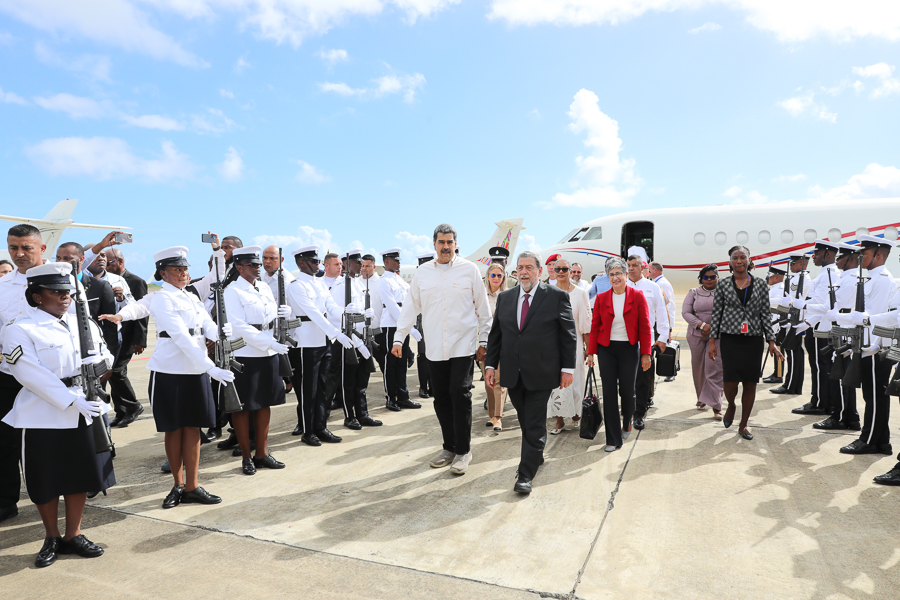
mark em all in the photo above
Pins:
pixel 616 263
pixel 657 266
pixel 577 265
pixel 530 254
pixel 444 228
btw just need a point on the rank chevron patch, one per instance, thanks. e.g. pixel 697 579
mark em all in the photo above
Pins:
pixel 13 356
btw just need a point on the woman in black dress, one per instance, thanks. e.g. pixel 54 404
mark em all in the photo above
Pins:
pixel 740 328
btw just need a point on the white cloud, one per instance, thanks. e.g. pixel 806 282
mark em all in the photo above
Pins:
pixel 412 245
pixel 241 65
pixel 790 178
pixel 708 26
pixel 306 235
pixel 154 122
pixel 11 98
pixel 875 181
pixel 117 23
pixel 93 66
pixel 232 168
pixel 535 114
pixel 739 196
pixel 384 86
pixel 882 72
pixel 226 94
pixel 310 174
pixel 605 179
pixel 341 89
pixel 108 158
pixel 528 242
pixel 332 57
pixel 805 105
pixel 76 107
pixel 212 121
pixel 789 20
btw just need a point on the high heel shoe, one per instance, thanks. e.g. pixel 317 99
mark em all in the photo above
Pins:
pixel 746 435
pixel 727 422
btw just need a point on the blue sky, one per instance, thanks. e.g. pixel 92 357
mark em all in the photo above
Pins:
pixel 371 121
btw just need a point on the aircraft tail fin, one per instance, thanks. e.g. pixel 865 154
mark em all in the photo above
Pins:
pixel 506 235
pixel 62 211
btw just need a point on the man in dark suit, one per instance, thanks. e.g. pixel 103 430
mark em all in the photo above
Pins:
pixel 532 343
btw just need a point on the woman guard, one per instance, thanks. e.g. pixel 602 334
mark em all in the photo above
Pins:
pixel 58 452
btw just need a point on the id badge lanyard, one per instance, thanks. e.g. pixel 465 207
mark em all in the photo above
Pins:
pixel 745 324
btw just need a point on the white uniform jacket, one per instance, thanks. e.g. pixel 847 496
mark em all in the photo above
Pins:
pixel 312 305
pixel 41 351
pixel 247 305
pixel 818 297
pixel 272 281
pixel 180 352
pixel 12 305
pixel 374 298
pixel 392 291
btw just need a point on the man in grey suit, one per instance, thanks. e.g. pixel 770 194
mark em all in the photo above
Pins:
pixel 532 343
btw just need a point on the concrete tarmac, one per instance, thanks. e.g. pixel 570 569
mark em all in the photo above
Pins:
pixel 686 509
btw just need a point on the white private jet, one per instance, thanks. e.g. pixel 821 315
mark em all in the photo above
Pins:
pixel 506 235
pixel 686 239
pixel 53 225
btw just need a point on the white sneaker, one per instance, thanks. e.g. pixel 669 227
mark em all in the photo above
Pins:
pixel 610 448
pixel 461 463
pixel 442 460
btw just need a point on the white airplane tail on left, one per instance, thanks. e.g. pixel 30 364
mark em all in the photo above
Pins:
pixel 54 224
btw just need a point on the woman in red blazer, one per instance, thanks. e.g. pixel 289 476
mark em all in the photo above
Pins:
pixel 621 338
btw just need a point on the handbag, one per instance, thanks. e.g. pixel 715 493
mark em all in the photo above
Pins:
pixel 591 416
pixel 668 362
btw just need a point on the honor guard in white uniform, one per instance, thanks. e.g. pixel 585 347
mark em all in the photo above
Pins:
pixel 421 358
pixel 370 280
pixel 875 371
pixel 775 279
pixel 180 371
pixel 796 287
pixel 393 290
pixel 252 310
pixel 312 304
pixel 59 456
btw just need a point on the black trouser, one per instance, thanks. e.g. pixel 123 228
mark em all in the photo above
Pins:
pixel 452 389
pixel 333 374
pixel 619 365
pixel 643 386
pixel 875 374
pixel 395 368
pixel 422 367
pixel 825 392
pixel 309 386
pixel 793 381
pixel 531 409
pixel 381 348
pixel 10 444
pixel 123 397
pixel 352 382
pixel 844 405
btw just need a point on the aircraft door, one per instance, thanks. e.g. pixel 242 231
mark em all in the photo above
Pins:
pixel 638 233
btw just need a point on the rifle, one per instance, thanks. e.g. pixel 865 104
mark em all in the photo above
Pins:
pixel 855 337
pixel 90 374
pixel 350 320
pixel 833 336
pixel 783 312
pixel 793 314
pixel 283 325
pixel 370 332
pixel 224 355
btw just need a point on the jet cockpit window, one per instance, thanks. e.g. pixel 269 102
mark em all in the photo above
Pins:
pixel 574 235
pixel 595 233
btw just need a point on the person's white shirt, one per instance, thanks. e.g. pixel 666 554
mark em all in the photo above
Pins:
pixel 392 290
pixel 819 301
pixel 669 291
pixel 12 305
pixel 656 304
pixel 247 305
pixel 618 331
pixel 338 294
pixel 272 280
pixel 182 317
pixel 204 285
pixel 452 300
pixel 374 299
pixel 584 285
pixel 312 304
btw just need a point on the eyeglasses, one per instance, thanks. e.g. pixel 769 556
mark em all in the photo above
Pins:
pixel 710 277
pixel 576 272
pixel 497 275
pixel 314 261
pixel 616 275
pixel 561 269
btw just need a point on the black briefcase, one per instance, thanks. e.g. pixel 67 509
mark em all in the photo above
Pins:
pixel 668 362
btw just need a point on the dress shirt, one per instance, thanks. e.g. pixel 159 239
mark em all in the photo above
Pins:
pixel 669 291
pixel 309 298
pixel 115 281
pixel 49 352
pixel 329 281
pixel 881 292
pixel 600 284
pixel 392 290
pixel 175 311
pixel 452 300
pixel 272 281
pixel 204 285
pixel 12 305
pixel 818 298
pixel 339 297
pixel 795 282
pixel 584 285
pixel 374 298
pixel 656 305
pixel 248 304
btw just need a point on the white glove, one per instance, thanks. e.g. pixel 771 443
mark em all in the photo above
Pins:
pixel 801 328
pixel 221 375
pixel 87 408
pixel 227 329
pixel 857 318
pixel 284 311
pixel 843 320
pixel 416 335
pixel 847 353
pixel 786 325
pixel 343 340
pixel 357 343
pixel 364 352
pixel 799 302
pixel 831 315
pixel 278 347
pixel 351 309
pixel 785 301
pixel 92 359
pixel 871 350
pixel 370 314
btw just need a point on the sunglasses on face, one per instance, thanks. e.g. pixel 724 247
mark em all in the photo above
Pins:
pixel 710 277
pixel 561 269
pixel 314 261
pixel 497 275
pixel 576 272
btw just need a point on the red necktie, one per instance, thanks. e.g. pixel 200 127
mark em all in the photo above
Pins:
pixel 524 312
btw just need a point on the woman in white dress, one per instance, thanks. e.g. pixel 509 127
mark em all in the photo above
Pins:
pixel 567 402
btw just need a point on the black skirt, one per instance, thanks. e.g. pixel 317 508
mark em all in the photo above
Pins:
pixel 58 462
pixel 181 401
pixel 741 357
pixel 260 385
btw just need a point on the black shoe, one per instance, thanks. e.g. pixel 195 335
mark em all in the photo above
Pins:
pixel 200 496
pixel 268 462
pixel 352 424
pixel 485 405
pixel 214 433
pixel 859 447
pixel 247 466
pixel 746 435
pixel 369 421
pixel 523 486
pixel 126 420
pixel 8 512
pixel 892 477
pixel 854 425
pixel 116 422
pixel 335 405
pixel 669 379
pixel 830 424
pixel 809 409
pixel 423 393
pixel 779 390
pixel 173 498
pixel 297 430
pixel 229 443
pixel 204 439
pixel 772 379
pixel 407 403
pixel 639 423
pixel 49 552
pixel 392 405
pixel 650 403
pixel 327 436
pixel 885 449
pixel 81 546
pixel 310 440
pixel 166 468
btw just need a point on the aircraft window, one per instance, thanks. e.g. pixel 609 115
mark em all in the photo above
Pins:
pixel 787 236
pixel 595 233
pixel 721 238
pixel 862 231
pixel 810 236
pixel 699 239
pixel 574 235
pixel 742 237
pixel 890 233
pixel 765 237
pixel 834 235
